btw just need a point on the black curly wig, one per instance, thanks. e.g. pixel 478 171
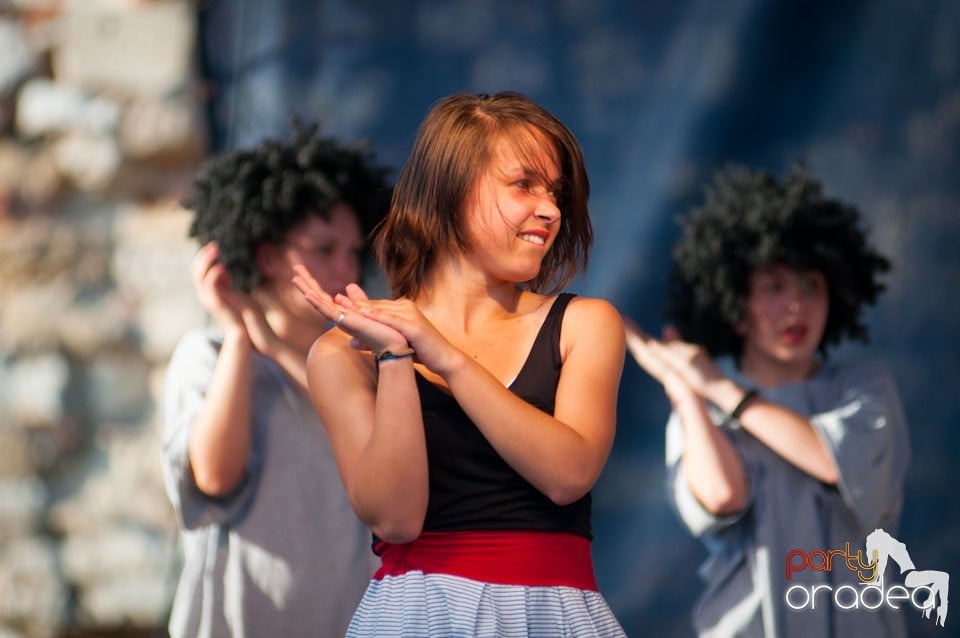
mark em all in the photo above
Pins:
pixel 243 199
pixel 751 220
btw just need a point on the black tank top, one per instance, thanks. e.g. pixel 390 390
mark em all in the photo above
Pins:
pixel 471 486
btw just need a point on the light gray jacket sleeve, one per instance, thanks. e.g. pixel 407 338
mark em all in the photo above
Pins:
pixel 866 432
pixel 187 379
pixel 692 513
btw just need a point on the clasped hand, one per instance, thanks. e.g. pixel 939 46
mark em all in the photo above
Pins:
pixel 378 324
pixel 235 312
pixel 681 367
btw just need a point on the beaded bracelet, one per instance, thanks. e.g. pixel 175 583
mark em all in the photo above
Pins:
pixel 385 355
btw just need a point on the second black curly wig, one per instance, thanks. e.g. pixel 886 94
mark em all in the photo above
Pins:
pixel 246 198
pixel 750 220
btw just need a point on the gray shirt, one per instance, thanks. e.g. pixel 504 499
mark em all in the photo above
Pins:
pixel 284 554
pixel 856 411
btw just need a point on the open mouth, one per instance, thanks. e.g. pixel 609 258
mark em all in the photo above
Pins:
pixel 795 334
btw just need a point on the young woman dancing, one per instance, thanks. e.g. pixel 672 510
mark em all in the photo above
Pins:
pixel 471 414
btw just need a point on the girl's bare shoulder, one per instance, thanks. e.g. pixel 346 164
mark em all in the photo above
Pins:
pixel 331 354
pixel 594 309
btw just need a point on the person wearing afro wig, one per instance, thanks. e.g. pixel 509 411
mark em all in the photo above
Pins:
pixel 771 445
pixel 271 545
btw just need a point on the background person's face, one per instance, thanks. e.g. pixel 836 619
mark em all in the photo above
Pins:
pixel 784 317
pixel 330 250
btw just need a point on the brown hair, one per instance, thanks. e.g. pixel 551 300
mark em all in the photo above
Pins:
pixel 454 146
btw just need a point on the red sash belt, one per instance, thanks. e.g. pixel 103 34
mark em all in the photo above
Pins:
pixel 534 559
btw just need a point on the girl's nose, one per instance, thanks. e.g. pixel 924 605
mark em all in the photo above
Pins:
pixel 794 296
pixel 547 210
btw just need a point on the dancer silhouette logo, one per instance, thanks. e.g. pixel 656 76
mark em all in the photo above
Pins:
pixel 925 590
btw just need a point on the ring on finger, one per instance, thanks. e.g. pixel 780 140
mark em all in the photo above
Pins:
pixel 340 319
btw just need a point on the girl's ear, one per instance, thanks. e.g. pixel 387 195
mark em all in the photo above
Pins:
pixel 269 260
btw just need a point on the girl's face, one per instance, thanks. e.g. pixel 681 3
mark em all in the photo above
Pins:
pixel 512 217
pixel 330 250
pixel 784 317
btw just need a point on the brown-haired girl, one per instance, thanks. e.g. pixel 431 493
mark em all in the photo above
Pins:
pixel 471 415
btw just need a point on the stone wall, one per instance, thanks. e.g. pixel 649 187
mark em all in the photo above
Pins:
pixel 100 129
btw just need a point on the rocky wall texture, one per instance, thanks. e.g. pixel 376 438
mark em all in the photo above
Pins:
pixel 100 129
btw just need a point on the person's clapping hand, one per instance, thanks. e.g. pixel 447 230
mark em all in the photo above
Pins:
pixel 212 281
pixel 680 366
pixel 342 310
pixel 690 361
pixel 403 315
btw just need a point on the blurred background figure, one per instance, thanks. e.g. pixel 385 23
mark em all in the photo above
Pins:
pixel 775 446
pixel 271 545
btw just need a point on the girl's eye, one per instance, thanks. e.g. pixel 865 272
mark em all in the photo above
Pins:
pixel 770 287
pixel 809 285
pixel 522 184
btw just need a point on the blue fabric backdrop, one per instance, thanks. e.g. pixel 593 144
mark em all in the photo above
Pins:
pixel 660 94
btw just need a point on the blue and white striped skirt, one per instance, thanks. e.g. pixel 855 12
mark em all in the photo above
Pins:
pixel 433 605
pixel 478 584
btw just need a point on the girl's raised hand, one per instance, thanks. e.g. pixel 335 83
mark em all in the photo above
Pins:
pixel 690 361
pixel 314 293
pixel 343 311
pixel 643 349
pixel 405 317
pixel 212 283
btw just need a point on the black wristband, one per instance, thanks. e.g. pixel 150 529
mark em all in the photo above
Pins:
pixel 386 355
pixel 744 402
